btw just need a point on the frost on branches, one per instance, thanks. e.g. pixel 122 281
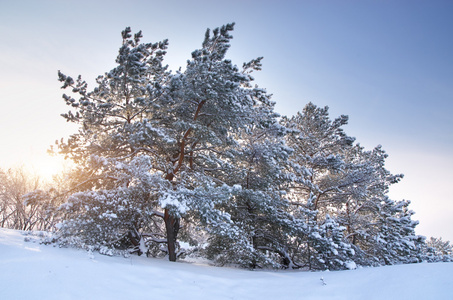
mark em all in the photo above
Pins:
pixel 340 191
pixel 201 156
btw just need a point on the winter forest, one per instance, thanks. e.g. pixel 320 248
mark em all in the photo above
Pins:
pixel 196 162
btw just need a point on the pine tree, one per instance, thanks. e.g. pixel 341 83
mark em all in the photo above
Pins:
pixel 258 208
pixel 211 101
pixel 337 182
pixel 164 144
pixel 440 247
pixel 435 250
pixel 319 174
pixel 114 194
pixel 200 155
pixel 396 241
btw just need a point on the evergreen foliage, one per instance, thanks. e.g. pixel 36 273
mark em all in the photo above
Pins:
pixel 200 156
pixel 435 250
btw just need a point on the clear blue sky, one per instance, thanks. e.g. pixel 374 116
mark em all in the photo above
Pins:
pixel 386 64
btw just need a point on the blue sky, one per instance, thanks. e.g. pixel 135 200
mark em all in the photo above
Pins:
pixel 386 64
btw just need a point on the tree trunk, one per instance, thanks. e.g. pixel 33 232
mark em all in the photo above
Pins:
pixel 172 227
pixel 171 222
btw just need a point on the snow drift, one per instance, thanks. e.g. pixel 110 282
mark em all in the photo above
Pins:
pixel 30 270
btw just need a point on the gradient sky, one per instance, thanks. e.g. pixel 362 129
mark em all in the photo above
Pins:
pixel 386 64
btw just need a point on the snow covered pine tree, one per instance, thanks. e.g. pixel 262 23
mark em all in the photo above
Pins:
pixel 113 195
pixel 155 149
pixel 318 173
pixel 340 190
pixel 164 156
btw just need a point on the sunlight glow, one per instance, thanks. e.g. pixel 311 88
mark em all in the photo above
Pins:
pixel 46 166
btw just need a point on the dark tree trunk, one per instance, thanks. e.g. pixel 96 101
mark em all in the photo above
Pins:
pixel 172 227
pixel 171 222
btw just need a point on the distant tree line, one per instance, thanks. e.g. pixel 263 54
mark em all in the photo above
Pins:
pixel 197 162
pixel 27 201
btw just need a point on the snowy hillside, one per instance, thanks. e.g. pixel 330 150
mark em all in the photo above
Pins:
pixel 33 271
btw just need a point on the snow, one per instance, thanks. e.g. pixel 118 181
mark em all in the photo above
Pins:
pixel 350 265
pixel 30 270
pixel 169 200
pixel 109 215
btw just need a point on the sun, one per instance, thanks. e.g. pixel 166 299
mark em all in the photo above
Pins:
pixel 46 166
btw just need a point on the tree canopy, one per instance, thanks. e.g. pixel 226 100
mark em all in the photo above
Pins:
pixel 199 156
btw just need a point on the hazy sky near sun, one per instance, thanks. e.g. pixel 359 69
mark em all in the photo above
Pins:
pixel 386 64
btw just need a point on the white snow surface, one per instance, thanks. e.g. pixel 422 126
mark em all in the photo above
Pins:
pixel 30 270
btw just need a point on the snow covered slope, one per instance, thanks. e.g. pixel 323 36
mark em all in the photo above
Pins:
pixel 29 270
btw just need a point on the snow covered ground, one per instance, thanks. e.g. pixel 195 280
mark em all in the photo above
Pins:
pixel 29 270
